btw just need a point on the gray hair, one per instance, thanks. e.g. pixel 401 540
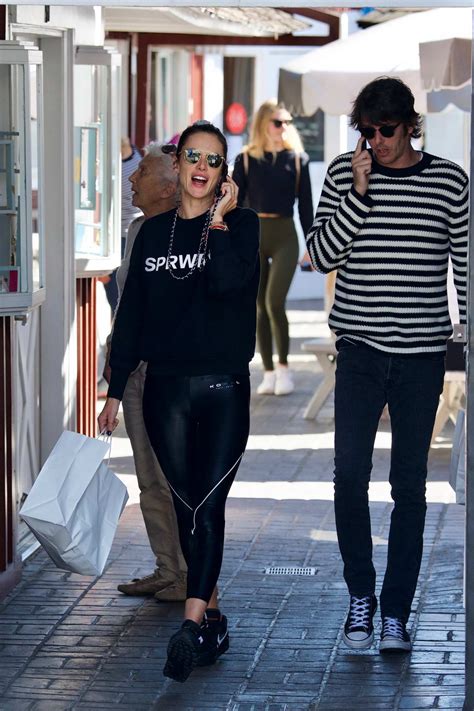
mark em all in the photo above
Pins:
pixel 154 150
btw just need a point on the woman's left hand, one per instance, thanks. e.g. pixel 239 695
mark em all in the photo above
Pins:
pixel 228 201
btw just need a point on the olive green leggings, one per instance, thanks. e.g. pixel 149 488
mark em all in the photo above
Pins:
pixel 279 251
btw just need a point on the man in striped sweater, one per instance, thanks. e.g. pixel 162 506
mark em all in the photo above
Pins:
pixel 388 220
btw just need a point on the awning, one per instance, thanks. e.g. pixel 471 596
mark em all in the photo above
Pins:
pixel 446 63
pixel 330 77
pixel 248 22
pixel 445 68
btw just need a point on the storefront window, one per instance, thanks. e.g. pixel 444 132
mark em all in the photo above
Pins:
pixel 89 156
pixel 21 231
pixel 96 159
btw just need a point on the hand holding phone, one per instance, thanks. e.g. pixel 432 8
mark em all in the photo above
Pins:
pixel 221 181
pixel 227 199
pixel 361 166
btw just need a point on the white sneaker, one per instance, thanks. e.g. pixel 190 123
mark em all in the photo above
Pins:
pixel 284 384
pixel 267 386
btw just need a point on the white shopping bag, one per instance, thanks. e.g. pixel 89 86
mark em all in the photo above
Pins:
pixel 75 503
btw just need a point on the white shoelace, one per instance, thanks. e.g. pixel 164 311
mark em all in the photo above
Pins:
pixel 392 627
pixel 359 613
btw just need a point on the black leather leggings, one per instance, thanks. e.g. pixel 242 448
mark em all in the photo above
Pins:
pixel 198 427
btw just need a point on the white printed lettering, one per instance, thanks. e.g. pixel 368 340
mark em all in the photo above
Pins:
pixel 187 260
pixel 159 262
pixel 150 264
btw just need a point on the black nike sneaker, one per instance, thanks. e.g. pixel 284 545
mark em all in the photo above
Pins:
pixel 215 632
pixel 184 650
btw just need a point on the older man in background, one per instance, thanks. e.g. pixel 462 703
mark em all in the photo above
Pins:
pixel 154 185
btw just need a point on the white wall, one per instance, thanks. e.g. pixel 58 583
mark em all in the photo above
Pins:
pixel 213 99
pixel 447 135
pixel 122 46
pixel 86 21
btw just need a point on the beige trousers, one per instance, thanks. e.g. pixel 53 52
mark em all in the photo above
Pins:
pixel 156 502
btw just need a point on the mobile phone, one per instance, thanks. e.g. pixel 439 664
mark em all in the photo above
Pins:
pixel 364 145
pixel 222 179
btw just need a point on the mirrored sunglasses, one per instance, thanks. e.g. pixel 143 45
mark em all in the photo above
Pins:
pixel 193 156
pixel 386 130
pixel 279 123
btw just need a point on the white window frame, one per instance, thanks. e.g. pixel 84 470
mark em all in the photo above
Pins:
pixel 24 55
pixel 89 265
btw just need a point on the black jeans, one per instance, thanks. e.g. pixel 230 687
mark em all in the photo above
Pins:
pixel 366 380
pixel 198 427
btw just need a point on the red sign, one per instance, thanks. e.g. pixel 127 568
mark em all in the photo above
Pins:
pixel 236 118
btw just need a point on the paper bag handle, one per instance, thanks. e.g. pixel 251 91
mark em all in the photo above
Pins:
pixel 108 440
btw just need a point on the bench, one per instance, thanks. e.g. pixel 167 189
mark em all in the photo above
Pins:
pixel 452 399
pixel 325 351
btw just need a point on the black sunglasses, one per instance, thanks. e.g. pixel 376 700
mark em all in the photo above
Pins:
pixel 193 156
pixel 386 130
pixel 279 123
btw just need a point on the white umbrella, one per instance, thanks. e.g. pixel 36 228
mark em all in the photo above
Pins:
pixel 445 64
pixel 445 67
pixel 331 76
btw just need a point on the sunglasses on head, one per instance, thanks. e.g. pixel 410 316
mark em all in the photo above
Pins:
pixel 193 156
pixel 386 130
pixel 278 123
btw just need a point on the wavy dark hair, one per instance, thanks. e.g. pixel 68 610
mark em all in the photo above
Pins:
pixel 202 127
pixel 386 99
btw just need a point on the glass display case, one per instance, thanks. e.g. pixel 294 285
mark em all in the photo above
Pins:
pixel 21 166
pixel 97 167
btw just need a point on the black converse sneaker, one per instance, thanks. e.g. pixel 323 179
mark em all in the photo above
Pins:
pixel 395 637
pixel 214 630
pixel 359 628
pixel 184 649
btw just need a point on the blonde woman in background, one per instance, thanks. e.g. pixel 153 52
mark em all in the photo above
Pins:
pixel 272 172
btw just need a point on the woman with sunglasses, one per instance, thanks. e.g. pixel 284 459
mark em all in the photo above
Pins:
pixel 272 172
pixel 188 309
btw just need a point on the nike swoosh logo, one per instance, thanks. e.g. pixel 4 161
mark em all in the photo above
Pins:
pixel 221 639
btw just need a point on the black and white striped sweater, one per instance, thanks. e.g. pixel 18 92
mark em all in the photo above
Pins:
pixel 391 249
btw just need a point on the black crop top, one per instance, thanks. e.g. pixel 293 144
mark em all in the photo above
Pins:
pixel 270 185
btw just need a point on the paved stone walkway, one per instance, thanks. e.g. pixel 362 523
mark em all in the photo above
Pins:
pixel 72 642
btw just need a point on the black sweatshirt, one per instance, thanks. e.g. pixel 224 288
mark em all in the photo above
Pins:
pixel 270 185
pixel 201 325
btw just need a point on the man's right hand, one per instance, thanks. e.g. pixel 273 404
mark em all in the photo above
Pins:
pixel 361 167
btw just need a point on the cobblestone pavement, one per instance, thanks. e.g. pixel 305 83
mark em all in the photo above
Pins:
pixel 73 642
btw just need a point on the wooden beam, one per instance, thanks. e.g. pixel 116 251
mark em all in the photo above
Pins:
pixel 10 565
pixel 163 39
pixel 3 22
pixel 143 92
